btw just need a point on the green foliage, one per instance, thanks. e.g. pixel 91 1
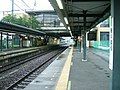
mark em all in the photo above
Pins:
pixel 26 21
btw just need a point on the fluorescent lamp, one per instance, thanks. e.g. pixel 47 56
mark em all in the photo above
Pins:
pixel 69 28
pixel 59 4
pixel 71 33
pixel 26 37
pixel 42 38
pixel 66 21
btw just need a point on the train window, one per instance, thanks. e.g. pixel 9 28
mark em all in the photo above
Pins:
pixel 0 41
pixel 4 41
pixel 16 41
pixel 10 41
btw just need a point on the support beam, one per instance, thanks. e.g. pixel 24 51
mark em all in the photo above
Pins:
pixel 84 37
pixel 82 15
pixel 58 34
pixel 104 16
pixel 87 0
pixel 76 25
pixel 80 22
pixel 49 30
pixel 116 44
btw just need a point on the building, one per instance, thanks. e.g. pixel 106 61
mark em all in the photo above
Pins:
pixel 103 36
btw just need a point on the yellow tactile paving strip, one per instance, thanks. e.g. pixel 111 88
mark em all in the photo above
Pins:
pixel 63 80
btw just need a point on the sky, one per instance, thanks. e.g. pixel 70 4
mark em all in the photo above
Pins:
pixel 22 5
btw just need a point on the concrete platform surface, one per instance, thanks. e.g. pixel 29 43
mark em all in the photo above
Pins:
pixel 93 74
pixel 48 79
pixel 64 74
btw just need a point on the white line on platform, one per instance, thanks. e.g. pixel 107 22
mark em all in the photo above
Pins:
pixel 69 85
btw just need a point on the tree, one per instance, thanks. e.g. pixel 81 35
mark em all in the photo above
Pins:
pixel 29 22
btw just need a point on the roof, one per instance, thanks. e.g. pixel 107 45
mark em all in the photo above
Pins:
pixel 56 31
pixel 94 11
pixel 8 27
pixel 41 12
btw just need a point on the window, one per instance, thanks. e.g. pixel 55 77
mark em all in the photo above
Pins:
pixel 9 41
pixel 104 36
pixel 31 41
pixel 49 20
pixel 105 23
pixel 4 41
pixel 16 41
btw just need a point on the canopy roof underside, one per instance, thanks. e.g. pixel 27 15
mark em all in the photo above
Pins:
pixel 94 11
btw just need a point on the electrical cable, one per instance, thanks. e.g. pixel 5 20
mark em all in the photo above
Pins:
pixel 26 4
pixel 18 6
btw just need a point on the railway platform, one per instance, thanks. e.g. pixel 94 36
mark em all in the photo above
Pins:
pixel 92 74
pixel 48 79
pixel 69 72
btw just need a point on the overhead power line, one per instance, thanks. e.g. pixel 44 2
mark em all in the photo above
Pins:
pixel 18 6
pixel 26 4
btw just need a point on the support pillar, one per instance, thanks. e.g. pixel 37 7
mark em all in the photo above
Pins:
pixel 80 44
pixel 7 41
pixel 43 19
pixel 12 41
pixel 116 44
pixel 12 10
pixel 1 41
pixel 84 47
pixel 84 37
pixel 80 36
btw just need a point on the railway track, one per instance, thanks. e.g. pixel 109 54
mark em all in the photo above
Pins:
pixel 24 57
pixel 17 63
pixel 19 78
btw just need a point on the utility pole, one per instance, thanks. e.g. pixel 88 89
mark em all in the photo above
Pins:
pixel 12 10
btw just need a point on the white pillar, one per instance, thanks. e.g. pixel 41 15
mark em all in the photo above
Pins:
pixel 111 44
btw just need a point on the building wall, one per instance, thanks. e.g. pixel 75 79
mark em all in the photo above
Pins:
pixel 102 29
pixel 101 44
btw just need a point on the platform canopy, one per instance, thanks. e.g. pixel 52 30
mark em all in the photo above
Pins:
pixel 14 28
pixel 81 13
